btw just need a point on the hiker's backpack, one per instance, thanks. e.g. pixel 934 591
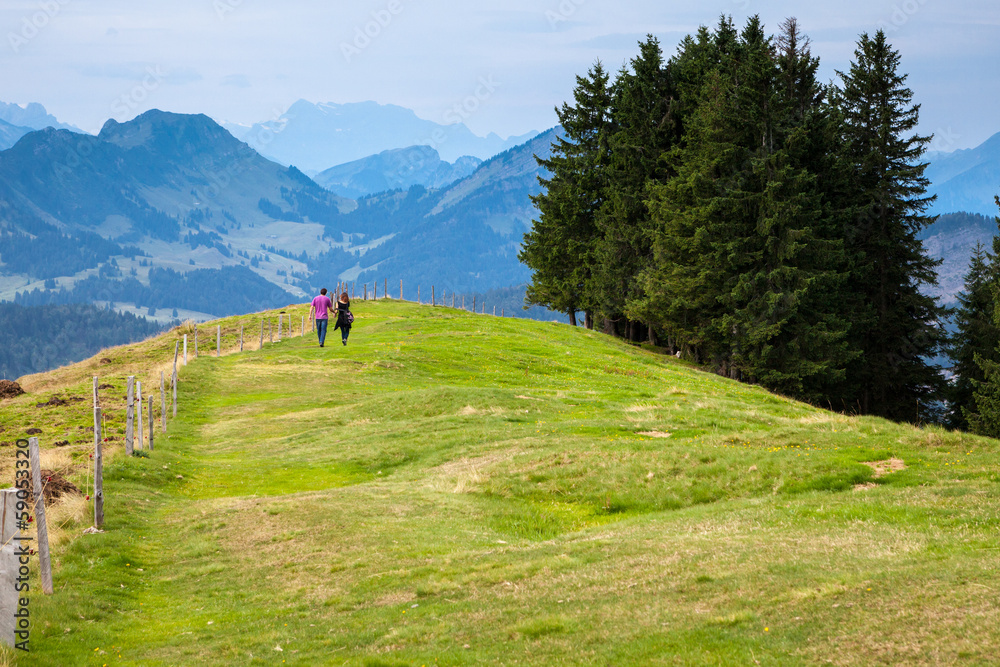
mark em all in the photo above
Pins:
pixel 349 317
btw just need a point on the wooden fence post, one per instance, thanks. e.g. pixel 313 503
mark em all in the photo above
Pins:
pixel 385 287
pixel 400 289
pixel 452 299
pixel 185 349
pixel 173 381
pixel 98 472
pixel 129 415
pixel 96 397
pixel 473 303
pixel 151 422
pixel 494 310
pixel 365 297
pixel 375 291
pixel 270 332
pixel 241 338
pixel 433 297
pixel 261 335
pixel 195 341
pixel 138 399
pixel 279 326
pixel 10 544
pixel 418 293
pixel 303 326
pixel 163 404
pixel 463 302
pixel 218 340
pixel 43 530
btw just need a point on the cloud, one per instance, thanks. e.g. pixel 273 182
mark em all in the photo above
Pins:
pixel 236 80
pixel 176 76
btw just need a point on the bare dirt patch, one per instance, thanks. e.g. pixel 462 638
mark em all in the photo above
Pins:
pixel 883 468
pixel 9 389
pixel 56 401
pixel 867 486
pixel 655 434
pixel 54 486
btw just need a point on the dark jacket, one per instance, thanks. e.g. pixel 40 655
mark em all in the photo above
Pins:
pixel 342 310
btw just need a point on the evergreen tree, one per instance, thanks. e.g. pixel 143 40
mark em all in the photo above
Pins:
pixel 644 128
pixel 559 248
pixel 982 414
pixel 783 309
pixel 977 334
pixel 747 264
pixel 896 326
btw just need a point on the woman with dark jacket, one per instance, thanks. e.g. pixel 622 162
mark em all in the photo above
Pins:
pixel 344 317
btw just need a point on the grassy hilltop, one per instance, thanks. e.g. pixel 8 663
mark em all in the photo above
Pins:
pixel 457 489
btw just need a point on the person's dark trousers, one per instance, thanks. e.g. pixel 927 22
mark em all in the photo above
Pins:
pixel 345 332
pixel 321 330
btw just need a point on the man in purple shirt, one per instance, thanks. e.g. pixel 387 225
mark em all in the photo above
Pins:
pixel 321 306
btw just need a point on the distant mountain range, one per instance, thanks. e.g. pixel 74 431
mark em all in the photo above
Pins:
pixel 9 134
pixel 171 211
pixel 315 137
pixel 17 121
pixel 396 169
pixel 966 180
pixel 150 201
pixel 33 116
pixel 951 239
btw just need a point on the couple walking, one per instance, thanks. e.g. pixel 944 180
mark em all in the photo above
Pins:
pixel 322 305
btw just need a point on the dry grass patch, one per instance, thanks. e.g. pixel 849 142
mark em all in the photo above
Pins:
pixel 883 468
pixel 655 434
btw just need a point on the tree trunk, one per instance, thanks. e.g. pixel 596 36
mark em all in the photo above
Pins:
pixel 572 318
pixel 588 320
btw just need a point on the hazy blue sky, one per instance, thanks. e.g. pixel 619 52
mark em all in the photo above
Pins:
pixel 501 66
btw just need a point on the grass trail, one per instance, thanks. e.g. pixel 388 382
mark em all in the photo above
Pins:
pixel 456 489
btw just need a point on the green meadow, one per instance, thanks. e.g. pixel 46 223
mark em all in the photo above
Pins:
pixel 459 489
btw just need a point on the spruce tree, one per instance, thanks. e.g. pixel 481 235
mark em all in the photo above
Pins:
pixel 747 263
pixel 896 326
pixel 982 413
pixel 559 249
pixel 644 128
pixel 976 334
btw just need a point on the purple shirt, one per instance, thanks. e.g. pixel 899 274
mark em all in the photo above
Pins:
pixel 322 304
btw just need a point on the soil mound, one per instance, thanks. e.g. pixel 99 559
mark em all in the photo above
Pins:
pixel 54 486
pixel 9 389
pixel 56 401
